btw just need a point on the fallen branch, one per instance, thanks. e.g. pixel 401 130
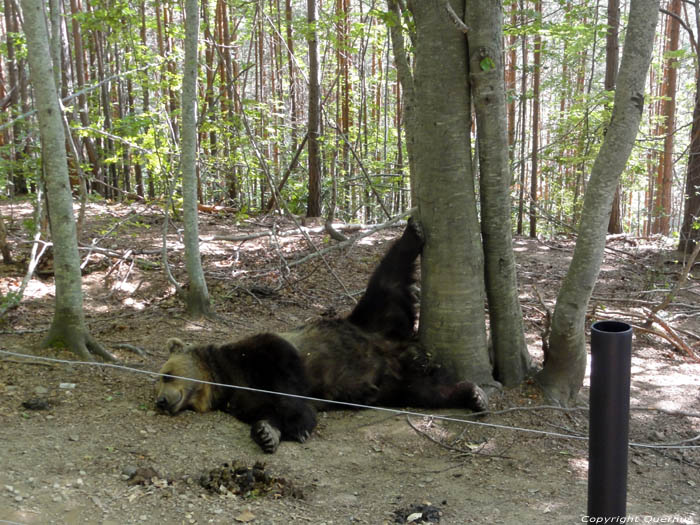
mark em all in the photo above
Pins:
pixel 670 337
pixel 683 277
pixel 268 233
pixel 673 335
pixel 351 240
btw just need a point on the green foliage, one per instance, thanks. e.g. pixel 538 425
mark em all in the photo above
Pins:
pixel 487 64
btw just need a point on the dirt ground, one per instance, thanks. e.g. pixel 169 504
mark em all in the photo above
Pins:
pixel 84 444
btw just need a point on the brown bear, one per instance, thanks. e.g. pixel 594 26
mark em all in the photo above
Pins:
pixel 370 357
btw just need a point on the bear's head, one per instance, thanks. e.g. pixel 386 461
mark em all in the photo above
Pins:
pixel 174 394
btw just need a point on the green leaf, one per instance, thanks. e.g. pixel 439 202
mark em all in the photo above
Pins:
pixel 487 64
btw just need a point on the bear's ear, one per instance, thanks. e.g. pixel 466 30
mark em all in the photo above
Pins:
pixel 176 346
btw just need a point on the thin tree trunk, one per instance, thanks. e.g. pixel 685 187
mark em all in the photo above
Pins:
pixel 565 359
pixel 523 127
pixel 68 326
pixel 510 74
pixel 512 361
pixel 690 233
pixel 197 295
pixel 612 52
pixel 534 170
pixel 664 178
pixel 313 204
pixel 15 66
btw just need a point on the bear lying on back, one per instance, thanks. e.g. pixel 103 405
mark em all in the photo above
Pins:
pixel 370 357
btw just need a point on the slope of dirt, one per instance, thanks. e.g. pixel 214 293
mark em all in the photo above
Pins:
pixel 84 444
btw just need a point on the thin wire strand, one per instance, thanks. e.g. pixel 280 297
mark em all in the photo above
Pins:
pixel 340 403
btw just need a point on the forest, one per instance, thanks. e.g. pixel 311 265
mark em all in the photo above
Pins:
pixel 120 76
pixel 215 169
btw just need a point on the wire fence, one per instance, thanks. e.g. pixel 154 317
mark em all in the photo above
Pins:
pixel 559 435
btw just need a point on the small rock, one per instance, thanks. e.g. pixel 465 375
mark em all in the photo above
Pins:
pixel 129 470
pixel 67 386
pixel 245 517
pixel 41 390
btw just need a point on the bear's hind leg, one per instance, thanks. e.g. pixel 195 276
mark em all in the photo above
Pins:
pixel 388 304
pixel 428 394
pixel 469 395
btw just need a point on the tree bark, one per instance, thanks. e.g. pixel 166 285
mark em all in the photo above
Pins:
pixel 438 122
pixel 313 204
pixel 690 229
pixel 690 233
pixel 534 170
pixel 664 177
pixel 15 66
pixel 197 295
pixel 68 325
pixel 511 359
pixel 612 52
pixel 565 361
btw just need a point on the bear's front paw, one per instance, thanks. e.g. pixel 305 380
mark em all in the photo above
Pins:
pixel 266 435
pixel 303 435
pixel 417 228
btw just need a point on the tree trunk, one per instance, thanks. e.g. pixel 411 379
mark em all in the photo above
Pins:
pixel 664 178
pixel 68 325
pixel 534 170
pixel 565 360
pixel 197 294
pixel 438 122
pixel 612 52
pixel 15 66
pixel 690 233
pixel 313 204
pixel 523 127
pixel 512 362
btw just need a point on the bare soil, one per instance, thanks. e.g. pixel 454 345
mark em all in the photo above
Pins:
pixel 84 444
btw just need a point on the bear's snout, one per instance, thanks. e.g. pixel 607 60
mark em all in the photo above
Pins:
pixel 162 403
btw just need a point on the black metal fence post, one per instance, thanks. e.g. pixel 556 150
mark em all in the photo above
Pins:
pixel 611 355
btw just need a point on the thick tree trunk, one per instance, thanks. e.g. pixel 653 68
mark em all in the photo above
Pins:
pixel 68 325
pixel 197 295
pixel 565 361
pixel 452 322
pixel 511 360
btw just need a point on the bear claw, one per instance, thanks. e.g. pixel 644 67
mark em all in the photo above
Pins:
pixel 480 401
pixel 266 436
pixel 417 228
